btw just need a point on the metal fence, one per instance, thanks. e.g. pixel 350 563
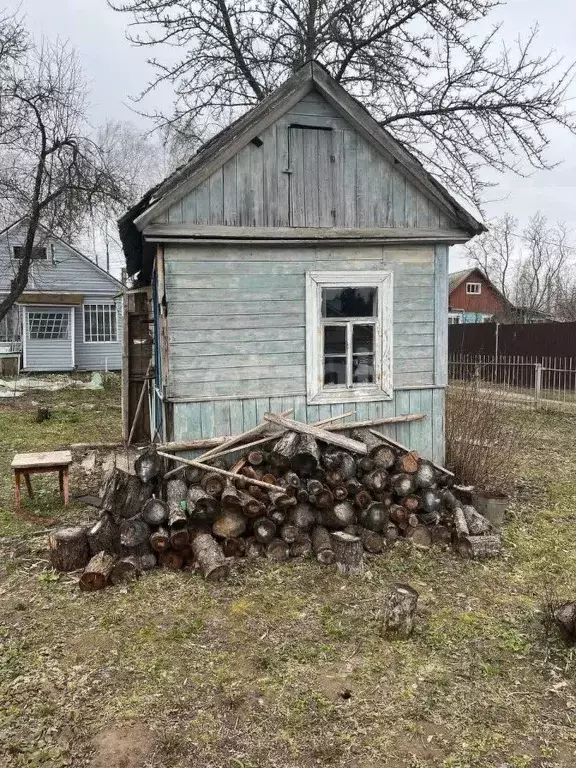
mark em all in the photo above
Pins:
pixel 541 383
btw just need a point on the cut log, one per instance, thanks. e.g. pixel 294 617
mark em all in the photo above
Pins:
pixel 430 501
pixel 381 455
pixel 377 480
pixel 348 467
pixel 230 499
pixel 366 464
pixel 425 476
pixel 257 493
pixel 399 446
pixel 302 546
pixel 477 523
pixel 155 512
pixel 179 538
pixel 292 480
pixel 392 533
pixel 125 569
pixel 565 619
pixel 213 483
pixel 176 490
pixel 420 536
pixel 407 463
pixel 429 518
pixel 256 458
pixel 340 493
pixel 322 545
pixel 278 551
pixel 411 503
pixel 278 516
pixel 375 517
pixel 352 530
pixel 479 547
pixel 210 557
pixel 234 547
pixel 450 501
pixel 302 496
pixel 401 484
pixel 229 524
pixel 171 559
pixel 303 516
pixel 251 507
pixel 192 475
pixel 289 533
pixel 69 549
pixel 324 499
pixel 247 471
pixel 363 499
pixel 332 458
pixel 124 495
pixel 269 478
pixel 283 452
pixel 341 515
pixel 353 485
pixel 254 549
pixel 400 516
pixel 281 499
pixel 104 536
pixel 177 518
pixel 160 540
pixel 307 456
pixel 148 466
pixel 97 573
pixel 314 486
pixel 371 541
pixel 264 530
pixel 134 533
pixel 318 434
pixel 200 504
pixel 334 478
pixel 399 612
pixel 348 552
pixel 460 524
pixel 441 536
pixel 143 554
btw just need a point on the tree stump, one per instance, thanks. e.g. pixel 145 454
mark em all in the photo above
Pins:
pixel 399 608
pixel 479 547
pixel 104 536
pixel 97 572
pixel 348 552
pixel 210 557
pixel 42 414
pixel 69 549
pixel 126 569
pixel 322 545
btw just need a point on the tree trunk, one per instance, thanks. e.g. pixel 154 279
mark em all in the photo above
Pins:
pixel 124 495
pixel 307 456
pixel 200 503
pixel 301 546
pixel 264 530
pixel 322 545
pixel 155 512
pixel 171 559
pixel 160 540
pixel 278 551
pixel 399 609
pixel 477 523
pixel 126 569
pixel 289 533
pixel 348 552
pixel 479 547
pixel 565 618
pixel 371 541
pixel 420 536
pixel 69 549
pixel 104 536
pixel 97 572
pixel 375 517
pixel 229 525
pixel 210 557
pixel 283 452
pixel 134 532
pixel 213 484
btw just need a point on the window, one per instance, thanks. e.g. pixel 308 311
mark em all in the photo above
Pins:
pixel 100 323
pixel 48 325
pixel 38 253
pixel 349 332
pixel 474 288
pixel 454 319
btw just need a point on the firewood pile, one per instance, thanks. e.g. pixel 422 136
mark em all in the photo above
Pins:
pixel 302 491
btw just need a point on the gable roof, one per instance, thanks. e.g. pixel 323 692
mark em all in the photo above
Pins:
pixel 48 233
pixel 218 150
pixel 457 278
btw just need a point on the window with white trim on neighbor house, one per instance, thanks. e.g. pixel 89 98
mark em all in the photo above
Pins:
pixel 474 288
pixel 100 323
pixel 349 336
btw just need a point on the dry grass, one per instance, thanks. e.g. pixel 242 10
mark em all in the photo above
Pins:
pixel 284 666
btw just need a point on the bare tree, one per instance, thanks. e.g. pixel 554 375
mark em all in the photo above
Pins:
pixel 50 170
pixel 427 69
pixel 531 269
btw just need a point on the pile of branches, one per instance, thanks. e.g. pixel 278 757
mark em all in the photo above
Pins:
pixel 302 491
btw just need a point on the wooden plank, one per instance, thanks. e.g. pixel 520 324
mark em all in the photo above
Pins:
pixel 244 190
pixel 414 365
pixel 257 185
pixel 207 419
pixel 222 418
pixel 319 434
pixel 414 379
pixel 325 191
pixel 236 417
pixel 240 322
pixel 283 212
pixel 227 336
pixel 264 373
pixel 297 176
pixel 238 351
pixel 438 425
pixel 270 171
pixel 190 309
pixel 398 199
pixel 216 211
pixel 425 445
pixel 441 316
pixel 203 202
pixel 230 199
pixel 276 293
pixel 311 179
pixel 402 408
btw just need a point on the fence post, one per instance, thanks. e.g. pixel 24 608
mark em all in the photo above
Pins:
pixel 538 384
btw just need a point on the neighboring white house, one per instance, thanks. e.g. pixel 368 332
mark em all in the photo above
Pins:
pixel 69 316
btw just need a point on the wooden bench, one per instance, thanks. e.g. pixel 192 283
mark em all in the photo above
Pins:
pixel 26 464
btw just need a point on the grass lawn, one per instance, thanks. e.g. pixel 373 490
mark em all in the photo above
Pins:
pixel 283 665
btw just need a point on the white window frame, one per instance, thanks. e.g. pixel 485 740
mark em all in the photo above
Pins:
pixel 382 388
pixel 99 304
pixel 470 286
pixel 455 317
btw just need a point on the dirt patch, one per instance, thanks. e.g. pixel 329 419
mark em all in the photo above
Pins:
pixel 123 747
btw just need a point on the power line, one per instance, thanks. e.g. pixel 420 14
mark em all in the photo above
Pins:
pixel 527 239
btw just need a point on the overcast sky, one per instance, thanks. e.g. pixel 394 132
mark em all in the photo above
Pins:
pixel 116 71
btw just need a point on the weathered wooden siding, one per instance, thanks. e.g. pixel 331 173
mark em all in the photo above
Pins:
pixel 97 356
pixel 236 316
pixel 311 178
pixel 200 420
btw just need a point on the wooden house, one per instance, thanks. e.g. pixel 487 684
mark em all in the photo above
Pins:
pixel 69 316
pixel 298 261
pixel 473 298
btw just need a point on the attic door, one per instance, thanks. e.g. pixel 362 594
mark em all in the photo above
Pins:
pixel 311 167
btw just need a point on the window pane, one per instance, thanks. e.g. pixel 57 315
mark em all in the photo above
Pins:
pixel 363 369
pixel 349 302
pixel 335 370
pixel 335 340
pixel 363 339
